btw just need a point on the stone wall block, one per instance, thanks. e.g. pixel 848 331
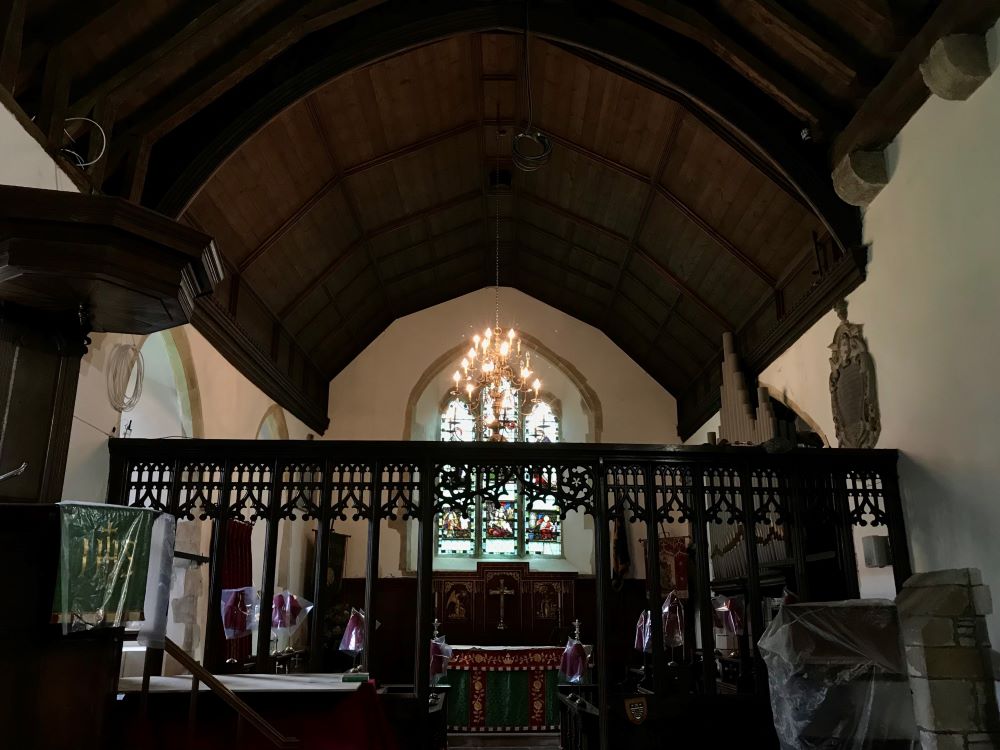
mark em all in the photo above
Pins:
pixel 955 662
pixel 928 631
pixel 939 601
pixel 982 601
pixel 941 741
pixel 956 66
pixel 949 577
pixel 947 705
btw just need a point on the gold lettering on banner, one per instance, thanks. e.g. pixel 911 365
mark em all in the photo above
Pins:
pixel 86 555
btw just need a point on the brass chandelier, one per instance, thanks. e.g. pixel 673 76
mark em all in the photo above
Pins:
pixel 494 368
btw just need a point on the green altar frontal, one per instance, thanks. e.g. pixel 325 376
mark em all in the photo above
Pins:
pixel 503 689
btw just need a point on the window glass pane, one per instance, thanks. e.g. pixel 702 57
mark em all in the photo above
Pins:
pixel 541 425
pixel 543 529
pixel 457 422
pixel 455 533
pixel 509 412
pixel 501 525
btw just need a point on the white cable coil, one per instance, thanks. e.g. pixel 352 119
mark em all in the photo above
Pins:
pixel 124 359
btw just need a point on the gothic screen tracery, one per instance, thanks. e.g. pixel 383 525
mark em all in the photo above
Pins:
pixel 512 526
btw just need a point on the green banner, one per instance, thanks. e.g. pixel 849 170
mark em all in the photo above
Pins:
pixel 104 558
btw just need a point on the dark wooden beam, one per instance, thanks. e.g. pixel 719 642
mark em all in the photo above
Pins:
pixel 806 39
pixel 687 21
pixel 247 58
pixel 399 223
pixel 11 36
pixel 582 275
pixel 655 187
pixel 307 205
pixel 52 110
pixel 288 224
pixel 644 281
pixel 688 292
pixel 352 206
pixel 479 98
pixel 717 237
pixel 653 179
pixel 104 114
pixel 73 21
pixel 901 92
pixel 574 217
pixel 243 352
pixel 195 37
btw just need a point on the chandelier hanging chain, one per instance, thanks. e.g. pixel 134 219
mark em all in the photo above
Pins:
pixel 496 187
pixel 494 374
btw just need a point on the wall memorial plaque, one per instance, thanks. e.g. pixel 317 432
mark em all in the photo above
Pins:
pixel 853 391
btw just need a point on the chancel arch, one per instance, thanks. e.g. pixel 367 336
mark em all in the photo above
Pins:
pixel 170 402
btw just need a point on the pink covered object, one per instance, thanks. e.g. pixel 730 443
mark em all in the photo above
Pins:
pixel 574 662
pixel 353 641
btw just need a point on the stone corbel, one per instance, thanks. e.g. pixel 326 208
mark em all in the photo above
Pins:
pixel 956 66
pixel 860 176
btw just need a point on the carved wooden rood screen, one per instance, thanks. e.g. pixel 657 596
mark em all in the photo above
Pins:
pixel 751 525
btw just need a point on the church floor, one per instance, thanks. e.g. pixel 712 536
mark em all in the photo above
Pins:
pixel 503 741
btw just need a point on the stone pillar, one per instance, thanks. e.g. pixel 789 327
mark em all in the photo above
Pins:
pixel 949 660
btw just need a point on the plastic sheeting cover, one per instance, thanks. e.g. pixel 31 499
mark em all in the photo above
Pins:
pixel 837 676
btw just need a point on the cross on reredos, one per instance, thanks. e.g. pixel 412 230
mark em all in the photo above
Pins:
pixel 503 592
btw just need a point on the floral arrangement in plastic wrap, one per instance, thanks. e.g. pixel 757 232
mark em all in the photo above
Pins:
pixel 353 641
pixel 440 654
pixel 672 613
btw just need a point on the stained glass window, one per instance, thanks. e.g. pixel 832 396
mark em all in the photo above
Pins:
pixel 457 422
pixel 510 525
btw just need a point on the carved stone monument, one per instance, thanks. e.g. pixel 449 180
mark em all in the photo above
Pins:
pixel 853 391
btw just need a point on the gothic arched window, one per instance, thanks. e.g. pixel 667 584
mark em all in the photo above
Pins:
pixel 512 525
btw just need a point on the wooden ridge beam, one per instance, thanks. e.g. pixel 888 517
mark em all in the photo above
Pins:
pixel 687 21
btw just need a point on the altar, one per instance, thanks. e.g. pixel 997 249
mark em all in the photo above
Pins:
pixel 503 689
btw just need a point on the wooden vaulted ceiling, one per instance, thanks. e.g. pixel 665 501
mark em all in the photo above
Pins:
pixel 340 153
pixel 371 198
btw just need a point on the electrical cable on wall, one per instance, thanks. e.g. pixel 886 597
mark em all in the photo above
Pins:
pixel 124 359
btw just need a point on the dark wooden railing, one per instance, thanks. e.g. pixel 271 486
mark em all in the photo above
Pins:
pixel 245 715
pixel 745 510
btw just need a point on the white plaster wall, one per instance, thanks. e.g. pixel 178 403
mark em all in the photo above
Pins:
pixel 368 399
pixel 232 407
pixel 24 161
pixel 930 308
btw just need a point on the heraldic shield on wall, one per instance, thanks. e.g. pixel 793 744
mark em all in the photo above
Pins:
pixel 853 390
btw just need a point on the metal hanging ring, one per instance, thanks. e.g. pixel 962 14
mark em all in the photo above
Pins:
pixel 529 162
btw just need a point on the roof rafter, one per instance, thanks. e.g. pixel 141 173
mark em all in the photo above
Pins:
pixel 654 181
pixel 687 21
